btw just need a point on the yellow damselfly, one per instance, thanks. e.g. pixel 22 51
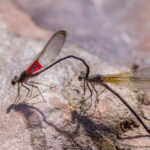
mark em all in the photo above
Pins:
pixel 137 79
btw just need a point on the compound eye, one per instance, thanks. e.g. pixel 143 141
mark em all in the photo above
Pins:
pixel 13 82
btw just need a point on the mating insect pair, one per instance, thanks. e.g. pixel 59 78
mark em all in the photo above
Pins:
pixel 49 53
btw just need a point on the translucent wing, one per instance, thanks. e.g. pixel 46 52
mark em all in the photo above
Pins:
pixel 136 79
pixel 49 52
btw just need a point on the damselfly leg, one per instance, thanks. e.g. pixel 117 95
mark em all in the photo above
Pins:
pixel 18 94
pixel 31 84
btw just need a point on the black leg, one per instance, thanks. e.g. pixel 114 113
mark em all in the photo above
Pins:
pixel 18 94
pixel 97 98
pixel 84 87
pixel 29 96
pixel 94 88
pixel 84 100
pixel 31 92
pixel 34 82
pixel 27 92
pixel 91 94
pixel 36 88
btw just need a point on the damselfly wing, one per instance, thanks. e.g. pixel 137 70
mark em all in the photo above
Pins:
pixel 135 79
pixel 41 62
pixel 49 53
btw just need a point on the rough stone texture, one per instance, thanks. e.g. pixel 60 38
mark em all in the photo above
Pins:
pixel 57 123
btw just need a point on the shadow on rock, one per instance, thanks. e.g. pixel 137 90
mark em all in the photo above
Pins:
pixel 88 133
pixel 34 119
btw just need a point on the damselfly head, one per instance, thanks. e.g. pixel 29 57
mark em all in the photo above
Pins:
pixel 81 76
pixel 12 106
pixel 15 80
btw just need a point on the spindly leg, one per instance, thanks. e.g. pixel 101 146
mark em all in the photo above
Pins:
pixel 91 93
pixel 94 88
pixel 33 82
pixel 32 85
pixel 18 94
pixel 26 100
pixel 27 92
pixel 84 100
pixel 30 93
pixel 36 88
pixel 84 87
pixel 97 98
pixel 97 94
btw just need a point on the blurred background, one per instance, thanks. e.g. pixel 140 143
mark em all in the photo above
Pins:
pixel 117 31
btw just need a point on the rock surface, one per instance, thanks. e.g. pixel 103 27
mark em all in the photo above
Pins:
pixel 58 123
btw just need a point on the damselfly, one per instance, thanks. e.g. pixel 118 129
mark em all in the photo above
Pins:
pixel 42 62
pixel 138 79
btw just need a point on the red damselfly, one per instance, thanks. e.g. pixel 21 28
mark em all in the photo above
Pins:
pixel 42 62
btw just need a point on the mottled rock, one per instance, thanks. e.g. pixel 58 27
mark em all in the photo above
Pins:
pixel 57 124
